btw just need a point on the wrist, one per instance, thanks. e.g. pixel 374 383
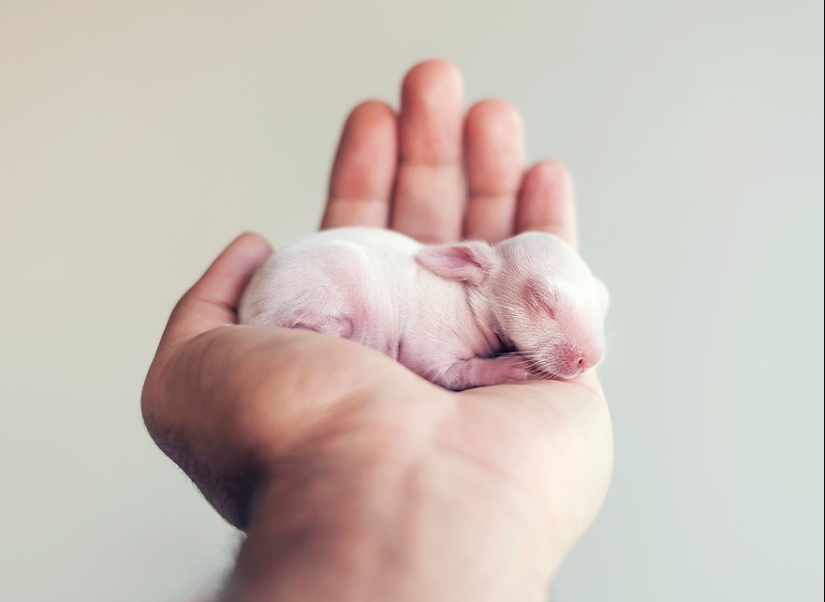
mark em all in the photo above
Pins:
pixel 389 519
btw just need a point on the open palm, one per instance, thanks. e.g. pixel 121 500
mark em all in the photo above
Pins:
pixel 244 408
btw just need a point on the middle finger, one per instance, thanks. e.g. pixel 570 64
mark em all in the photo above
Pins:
pixel 429 199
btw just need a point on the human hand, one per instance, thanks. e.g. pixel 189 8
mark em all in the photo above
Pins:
pixel 312 442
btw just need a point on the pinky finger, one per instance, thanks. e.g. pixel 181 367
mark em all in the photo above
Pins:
pixel 546 202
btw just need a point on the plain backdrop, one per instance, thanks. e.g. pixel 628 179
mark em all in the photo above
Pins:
pixel 138 138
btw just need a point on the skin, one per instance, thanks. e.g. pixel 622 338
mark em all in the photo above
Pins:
pixel 462 315
pixel 353 478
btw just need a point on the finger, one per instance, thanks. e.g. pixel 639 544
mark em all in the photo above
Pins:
pixel 363 173
pixel 429 198
pixel 546 202
pixel 494 158
pixel 213 300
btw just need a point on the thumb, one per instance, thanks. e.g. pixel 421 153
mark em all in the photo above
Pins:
pixel 213 300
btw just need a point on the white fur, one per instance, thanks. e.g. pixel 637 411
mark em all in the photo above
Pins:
pixel 443 311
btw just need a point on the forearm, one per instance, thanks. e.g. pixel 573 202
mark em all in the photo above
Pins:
pixel 404 528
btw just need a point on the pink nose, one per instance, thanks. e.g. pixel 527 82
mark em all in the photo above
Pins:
pixel 588 361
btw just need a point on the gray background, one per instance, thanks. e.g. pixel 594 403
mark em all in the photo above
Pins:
pixel 136 139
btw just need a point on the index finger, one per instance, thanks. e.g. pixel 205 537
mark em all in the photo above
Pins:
pixel 363 173
pixel 213 300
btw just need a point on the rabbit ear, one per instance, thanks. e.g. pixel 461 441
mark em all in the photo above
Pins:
pixel 469 262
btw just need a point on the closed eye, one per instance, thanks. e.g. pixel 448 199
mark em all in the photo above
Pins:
pixel 540 299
